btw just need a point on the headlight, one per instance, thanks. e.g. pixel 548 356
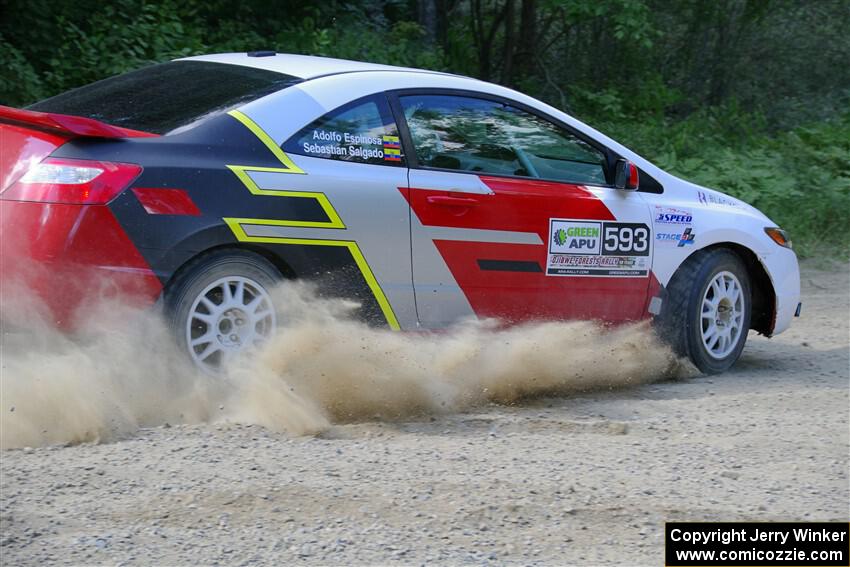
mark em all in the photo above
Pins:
pixel 779 236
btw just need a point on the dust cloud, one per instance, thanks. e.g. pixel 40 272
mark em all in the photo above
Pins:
pixel 120 370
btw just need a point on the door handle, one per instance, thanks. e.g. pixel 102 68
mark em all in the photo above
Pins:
pixel 448 201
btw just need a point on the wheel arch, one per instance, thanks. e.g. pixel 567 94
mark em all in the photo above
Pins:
pixel 763 294
pixel 282 266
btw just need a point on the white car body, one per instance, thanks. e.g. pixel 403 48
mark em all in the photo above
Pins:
pixel 716 218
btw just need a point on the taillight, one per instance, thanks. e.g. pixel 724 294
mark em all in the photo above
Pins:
pixel 72 181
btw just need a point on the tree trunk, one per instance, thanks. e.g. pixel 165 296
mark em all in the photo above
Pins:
pixel 427 18
pixel 509 45
pixel 529 43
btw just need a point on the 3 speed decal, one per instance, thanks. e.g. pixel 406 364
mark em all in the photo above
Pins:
pixel 674 226
pixel 670 215
pixel 598 248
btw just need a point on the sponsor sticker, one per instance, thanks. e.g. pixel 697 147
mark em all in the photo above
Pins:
pixel 598 248
pixel 669 215
pixel 687 237
pixel 707 198
pixel 392 148
pixel 575 237
pixel 331 143
pixel 681 239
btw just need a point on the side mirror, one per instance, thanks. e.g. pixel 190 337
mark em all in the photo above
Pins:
pixel 626 175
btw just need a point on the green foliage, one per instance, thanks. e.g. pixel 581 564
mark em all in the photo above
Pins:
pixel 117 38
pixel 20 80
pixel 402 44
pixel 629 20
pixel 800 178
pixel 745 97
pixel 127 34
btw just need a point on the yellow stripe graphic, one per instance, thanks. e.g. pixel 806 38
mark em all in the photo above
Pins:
pixel 333 217
pixel 241 171
pixel 235 225
pixel 267 140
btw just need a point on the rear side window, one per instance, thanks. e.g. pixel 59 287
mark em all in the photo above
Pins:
pixel 362 131
pixel 162 98
pixel 484 136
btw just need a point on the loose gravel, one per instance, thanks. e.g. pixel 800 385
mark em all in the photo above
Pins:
pixel 584 480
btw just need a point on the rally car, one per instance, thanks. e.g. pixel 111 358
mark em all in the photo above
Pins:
pixel 426 197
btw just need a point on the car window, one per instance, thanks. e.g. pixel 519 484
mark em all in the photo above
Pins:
pixel 483 136
pixel 162 98
pixel 360 132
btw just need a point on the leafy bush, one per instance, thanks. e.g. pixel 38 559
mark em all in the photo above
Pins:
pixel 27 85
pixel 661 93
pixel 799 178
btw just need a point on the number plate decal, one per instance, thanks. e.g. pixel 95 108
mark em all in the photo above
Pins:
pixel 598 248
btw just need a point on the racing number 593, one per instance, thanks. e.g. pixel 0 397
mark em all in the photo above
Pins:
pixel 626 239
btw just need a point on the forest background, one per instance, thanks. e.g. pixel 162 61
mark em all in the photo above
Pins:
pixel 748 97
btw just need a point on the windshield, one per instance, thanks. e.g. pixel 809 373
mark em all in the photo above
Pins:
pixel 162 98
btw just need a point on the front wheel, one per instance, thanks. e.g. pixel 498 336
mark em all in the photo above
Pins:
pixel 221 306
pixel 706 314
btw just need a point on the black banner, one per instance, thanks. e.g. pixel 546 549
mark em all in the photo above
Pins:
pixel 756 544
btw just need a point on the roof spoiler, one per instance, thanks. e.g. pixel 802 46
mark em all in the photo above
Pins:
pixel 65 124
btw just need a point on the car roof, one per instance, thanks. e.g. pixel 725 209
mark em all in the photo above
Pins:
pixel 300 66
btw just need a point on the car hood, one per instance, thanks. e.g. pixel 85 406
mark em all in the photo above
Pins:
pixel 712 198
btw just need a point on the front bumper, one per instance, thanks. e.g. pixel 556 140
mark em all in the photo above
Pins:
pixel 784 272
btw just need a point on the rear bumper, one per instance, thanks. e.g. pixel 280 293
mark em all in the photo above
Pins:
pixel 66 258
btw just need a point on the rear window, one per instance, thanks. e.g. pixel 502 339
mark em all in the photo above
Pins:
pixel 162 98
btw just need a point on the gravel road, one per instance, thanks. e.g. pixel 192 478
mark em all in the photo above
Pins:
pixel 584 480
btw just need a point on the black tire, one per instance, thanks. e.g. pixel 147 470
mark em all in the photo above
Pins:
pixel 680 322
pixel 182 293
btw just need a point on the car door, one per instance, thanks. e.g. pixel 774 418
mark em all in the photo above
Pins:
pixel 512 216
pixel 352 236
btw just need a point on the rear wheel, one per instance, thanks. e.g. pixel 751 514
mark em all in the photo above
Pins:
pixel 221 306
pixel 706 314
